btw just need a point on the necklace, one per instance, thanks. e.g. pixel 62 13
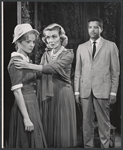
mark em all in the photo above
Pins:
pixel 54 56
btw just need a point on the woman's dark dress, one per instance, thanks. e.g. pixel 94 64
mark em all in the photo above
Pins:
pixel 18 137
pixel 58 106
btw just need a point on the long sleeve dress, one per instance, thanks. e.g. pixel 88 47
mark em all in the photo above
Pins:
pixel 56 99
pixel 18 137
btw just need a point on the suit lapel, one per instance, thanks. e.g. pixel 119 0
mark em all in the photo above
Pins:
pixel 89 47
pixel 99 47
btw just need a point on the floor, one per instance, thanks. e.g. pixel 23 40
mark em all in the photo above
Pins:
pixel 96 141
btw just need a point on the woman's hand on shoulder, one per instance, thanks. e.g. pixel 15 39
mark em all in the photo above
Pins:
pixel 20 63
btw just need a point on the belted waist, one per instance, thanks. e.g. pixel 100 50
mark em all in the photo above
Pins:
pixel 61 83
pixel 28 89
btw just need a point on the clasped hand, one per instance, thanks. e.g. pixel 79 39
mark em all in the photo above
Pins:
pixel 20 63
pixel 77 99
pixel 112 99
pixel 28 125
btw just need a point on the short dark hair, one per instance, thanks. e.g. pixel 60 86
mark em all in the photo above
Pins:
pixel 96 19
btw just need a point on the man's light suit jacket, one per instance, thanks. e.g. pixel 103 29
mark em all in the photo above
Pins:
pixel 101 75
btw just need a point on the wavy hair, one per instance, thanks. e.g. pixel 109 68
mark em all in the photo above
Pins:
pixel 54 26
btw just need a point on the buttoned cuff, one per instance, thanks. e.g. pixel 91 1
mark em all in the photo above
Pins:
pixel 112 93
pixel 76 93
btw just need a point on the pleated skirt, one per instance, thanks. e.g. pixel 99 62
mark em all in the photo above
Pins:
pixel 59 117
pixel 18 137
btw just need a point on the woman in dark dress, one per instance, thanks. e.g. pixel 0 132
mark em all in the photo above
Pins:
pixel 55 92
pixel 25 123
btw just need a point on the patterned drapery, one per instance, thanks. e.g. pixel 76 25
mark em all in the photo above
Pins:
pixel 73 17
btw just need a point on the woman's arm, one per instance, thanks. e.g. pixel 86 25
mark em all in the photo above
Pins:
pixel 49 68
pixel 35 67
pixel 21 104
pixel 19 64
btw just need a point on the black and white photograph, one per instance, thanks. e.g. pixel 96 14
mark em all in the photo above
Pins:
pixel 61 74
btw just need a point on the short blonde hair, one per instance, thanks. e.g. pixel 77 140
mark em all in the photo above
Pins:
pixel 54 26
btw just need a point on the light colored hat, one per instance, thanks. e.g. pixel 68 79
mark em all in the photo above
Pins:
pixel 21 29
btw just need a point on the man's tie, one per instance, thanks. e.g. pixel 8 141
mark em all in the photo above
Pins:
pixel 94 49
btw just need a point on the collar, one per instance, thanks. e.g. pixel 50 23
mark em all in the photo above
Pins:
pixel 19 54
pixel 97 41
pixel 61 49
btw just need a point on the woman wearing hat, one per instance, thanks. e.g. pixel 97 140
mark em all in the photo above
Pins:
pixel 25 124
pixel 55 92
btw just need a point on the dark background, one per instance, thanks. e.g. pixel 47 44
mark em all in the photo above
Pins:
pixel 73 17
